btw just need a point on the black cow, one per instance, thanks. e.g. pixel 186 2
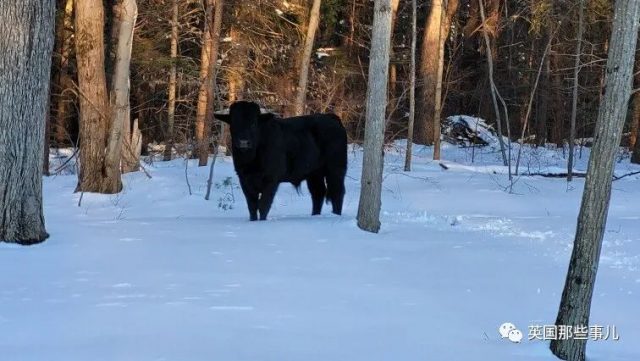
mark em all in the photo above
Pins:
pixel 268 150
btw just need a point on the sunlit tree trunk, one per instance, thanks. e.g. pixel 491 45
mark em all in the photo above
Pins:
pixel 120 150
pixel 171 106
pixel 202 129
pixel 26 45
pixel 301 96
pixel 393 67
pixel 94 103
pixel 575 305
pixel 216 28
pixel 373 160
pixel 435 35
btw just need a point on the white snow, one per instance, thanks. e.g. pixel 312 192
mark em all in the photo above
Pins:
pixel 155 274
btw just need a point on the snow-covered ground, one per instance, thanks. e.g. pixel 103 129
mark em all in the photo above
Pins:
pixel 156 274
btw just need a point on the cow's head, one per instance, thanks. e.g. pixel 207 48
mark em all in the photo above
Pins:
pixel 244 120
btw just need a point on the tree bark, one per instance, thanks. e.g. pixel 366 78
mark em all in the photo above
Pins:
pixel 412 86
pixel 202 148
pixel 578 290
pixel 301 96
pixel 373 160
pixel 94 102
pixel 576 86
pixel 119 150
pixel 436 33
pixel 171 106
pixel 26 45
pixel 213 71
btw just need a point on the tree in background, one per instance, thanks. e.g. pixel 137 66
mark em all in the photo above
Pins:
pixel 303 79
pixel 575 305
pixel 103 121
pixel 373 160
pixel 436 32
pixel 208 62
pixel 26 45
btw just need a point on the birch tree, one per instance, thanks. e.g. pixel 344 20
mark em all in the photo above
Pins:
pixel 373 160
pixel 26 45
pixel 305 59
pixel 119 147
pixel 575 304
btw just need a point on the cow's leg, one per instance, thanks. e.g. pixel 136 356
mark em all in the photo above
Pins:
pixel 335 189
pixel 252 199
pixel 318 190
pixel 266 199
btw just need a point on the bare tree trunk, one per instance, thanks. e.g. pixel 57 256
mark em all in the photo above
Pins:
pixel 26 45
pixel 171 106
pixel 576 86
pixel 373 160
pixel 64 43
pixel 437 100
pixel 202 133
pixel 542 104
pixel 120 153
pixel 211 81
pixel 575 305
pixel 301 96
pixel 412 86
pixel 436 33
pixel 94 108
pixel 494 89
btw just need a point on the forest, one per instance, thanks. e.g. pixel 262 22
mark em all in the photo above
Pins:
pixel 471 151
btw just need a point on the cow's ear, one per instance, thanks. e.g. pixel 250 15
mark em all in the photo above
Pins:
pixel 267 116
pixel 223 117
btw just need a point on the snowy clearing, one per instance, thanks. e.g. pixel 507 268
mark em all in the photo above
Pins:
pixel 155 274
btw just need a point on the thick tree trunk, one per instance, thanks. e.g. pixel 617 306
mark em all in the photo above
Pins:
pixel 436 33
pixel 373 160
pixel 412 86
pixel 578 290
pixel 26 45
pixel 301 96
pixel 576 86
pixel 64 42
pixel 94 101
pixel 171 106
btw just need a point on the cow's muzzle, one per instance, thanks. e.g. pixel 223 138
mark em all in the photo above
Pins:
pixel 244 144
